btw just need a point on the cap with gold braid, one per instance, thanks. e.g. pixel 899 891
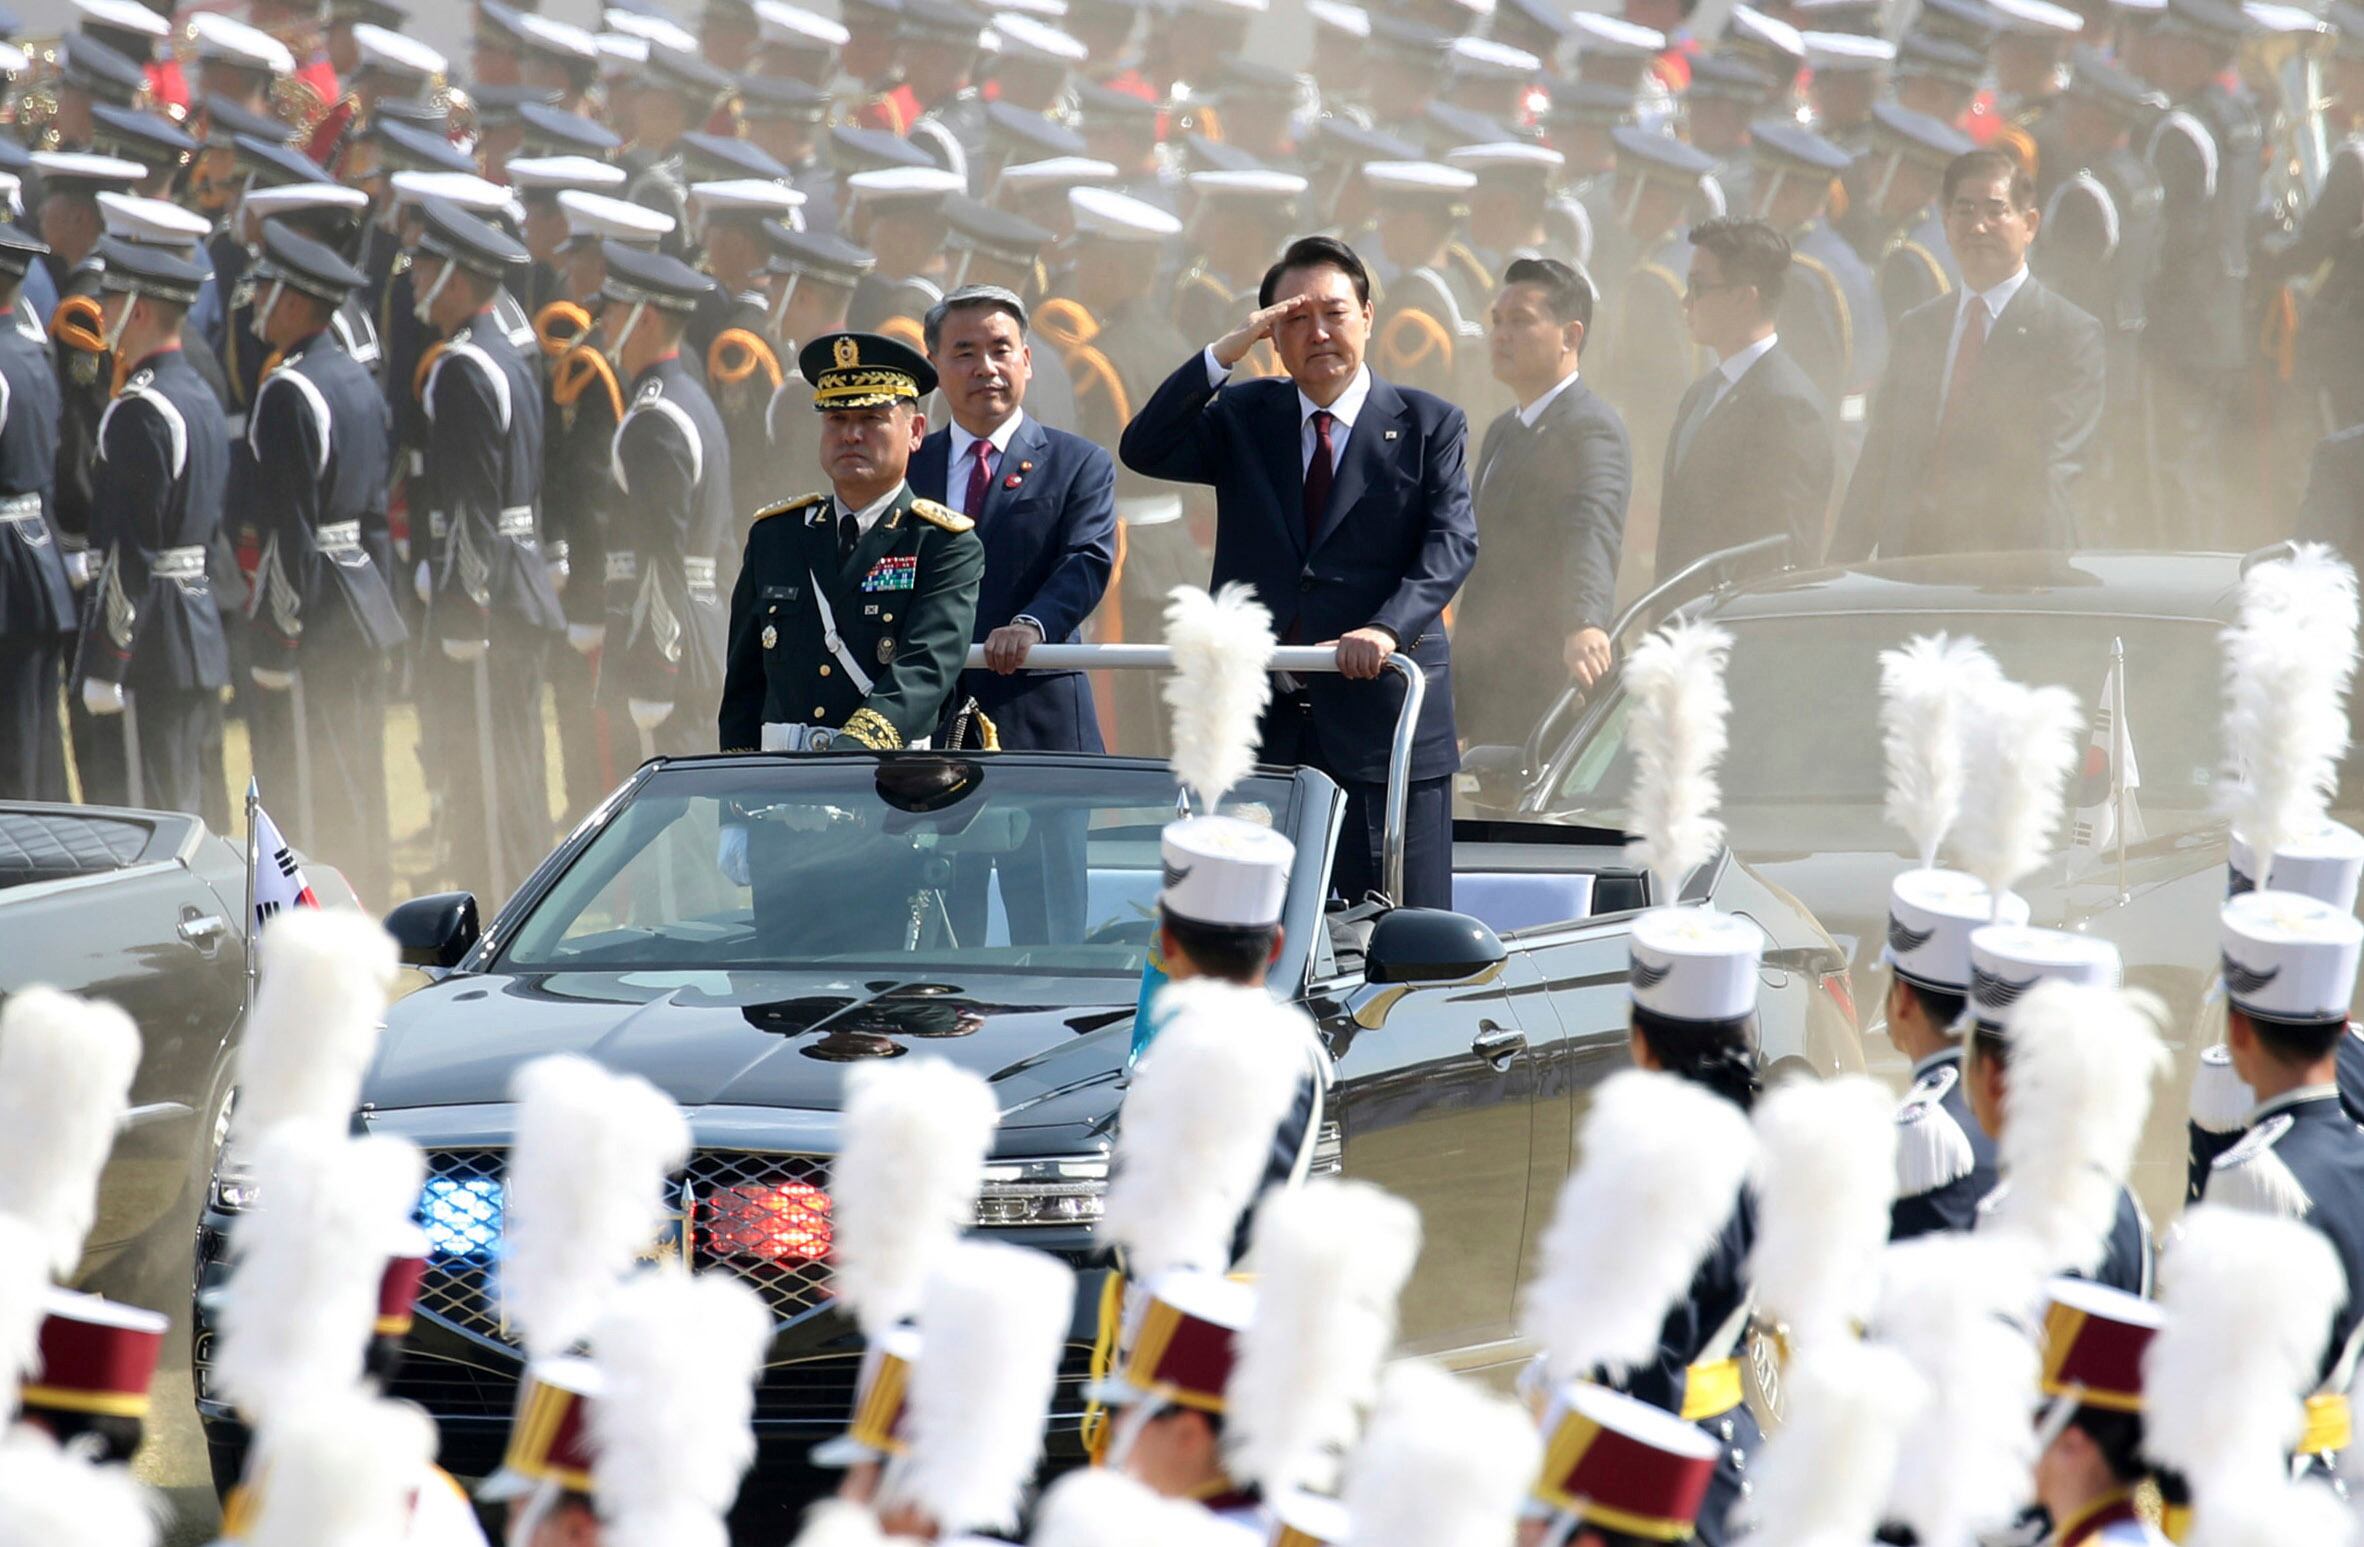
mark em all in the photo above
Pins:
pixel 881 1392
pixel 97 1358
pixel 2094 1340
pixel 550 1436
pixel 864 370
pixel 398 1287
pixel 1623 1465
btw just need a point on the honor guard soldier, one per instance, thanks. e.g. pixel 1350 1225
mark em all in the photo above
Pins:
pixel 672 94
pixel 153 658
pixel 1427 331
pixel 1121 129
pixel 717 158
pixel 151 139
pixel 1238 220
pixel 88 73
pixel 1939 76
pixel 325 628
pixel 383 63
pixel 330 214
pixel 727 224
pixel 1167 1403
pixel 1831 319
pixel 490 605
pixel 1725 96
pixel 2331 332
pixel 1507 208
pixel 539 180
pixel 2094 1343
pixel 789 120
pixel 97 1367
pixel 2030 54
pixel 672 509
pixel 853 610
pixel 1645 358
pixel 1617 1471
pixel 1582 120
pixel 898 213
pixel 551 131
pixel 37 608
pixel 813 281
pixel 1909 151
pixel 2289 975
pixel 794 45
pixel 1846 74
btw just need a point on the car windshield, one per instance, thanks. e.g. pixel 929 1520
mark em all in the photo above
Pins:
pixel 1806 697
pixel 910 862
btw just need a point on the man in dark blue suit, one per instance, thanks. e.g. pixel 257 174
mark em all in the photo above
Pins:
pixel 1344 501
pixel 1045 504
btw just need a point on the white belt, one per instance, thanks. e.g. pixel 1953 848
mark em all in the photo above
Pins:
pixel 778 736
pixel 438 525
pixel 1853 407
pixel 518 521
pixel 699 572
pixel 179 564
pixel 1149 509
pixel 339 537
pixel 21 507
pixel 835 642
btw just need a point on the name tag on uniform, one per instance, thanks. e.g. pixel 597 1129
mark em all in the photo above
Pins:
pixel 895 572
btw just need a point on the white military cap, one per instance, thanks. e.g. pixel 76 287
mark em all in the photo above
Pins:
pixel 1226 872
pixel 234 42
pixel 1027 37
pixel 1418 177
pixel 594 217
pixel 1229 7
pixel 1119 217
pixel 2280 18
pixel 124 16
pixel 1485 53
pixel 1846 50
pixel 465 189
pixel 151 222
pixel 887 184
pixel 393 53
pixel 621 53
pixel 735 194
pixel 1931 917
pixel 61 167
pixel 2288 957
pixel 1772 32
pixel 2006 960
pixel 2037 17
pixel 555 173
pixel 1695 964
pixel 1501 155
pixel 1042 10
pixel 650 29
pixel 14 60
pixel 2139 7
pixel 1246 183
pixel 288 198
pixel 2325 867
pixel 793 26
pixel 553 36
pixel 1352 20
pixel 1613 36
pixel 1058 172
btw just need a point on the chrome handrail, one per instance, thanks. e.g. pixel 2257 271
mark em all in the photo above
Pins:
pixel 1301 659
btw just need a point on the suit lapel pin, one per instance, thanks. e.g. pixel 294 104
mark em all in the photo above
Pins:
pixel 1025 466
pixel 1012 481
pixel 1390 435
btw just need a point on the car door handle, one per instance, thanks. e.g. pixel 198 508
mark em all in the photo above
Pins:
pixel 1498 1045
pixel 204 931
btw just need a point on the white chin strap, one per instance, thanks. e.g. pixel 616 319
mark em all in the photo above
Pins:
pixel 780 306
pixel 122 321
pixel 1879 198
pixel 526 1516
pixel 1770 192
pixel 1633 201
pixel 261 326
pixel 425 305
pixel 615 351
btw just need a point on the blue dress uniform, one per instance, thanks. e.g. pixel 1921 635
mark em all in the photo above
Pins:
pixel 152 638
pixel 321 445
pixel 37 609
pixel 491 607
pixel 671 514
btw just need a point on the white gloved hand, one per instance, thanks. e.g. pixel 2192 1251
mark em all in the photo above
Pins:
pixel 586 638
pixel 464 649
pixel 648 714
pixel 558 570
pixel 731 855
pixel 102 698
pixel 423 583
pixel 275 681
pixel 78 568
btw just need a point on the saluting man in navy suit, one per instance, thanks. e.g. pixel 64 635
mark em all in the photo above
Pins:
pixel 1045 504
pixel 1344 501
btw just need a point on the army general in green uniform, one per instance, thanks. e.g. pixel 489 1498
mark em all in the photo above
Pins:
pixel 853 610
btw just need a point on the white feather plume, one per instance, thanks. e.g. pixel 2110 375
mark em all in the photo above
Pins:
pixel 2288 661
pixel 66 1066
pixel 2281 1512
pixel 585 1192
pixel 1442 1465
pixel 1196 1128
pixel 1097 1507
pixel 50 1498
pixel 1952 1305
pixel 672 1432
pixel 840 1523
pixel 24 1294
pixel 2083 1061
pixel 1675 679
pixel 996 1318
pixel 1822 1478
pixel 1825 1178
pixel 1219 685
pixel 2249 1304
pixel 2024 743
pixel 317 1013
pixel 1661 1162
pixel 1330 1257
pixel 1926 688
pixel 340 1471
pixel 298 1312
pixel 904 1183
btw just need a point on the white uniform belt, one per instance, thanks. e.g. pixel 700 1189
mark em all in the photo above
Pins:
pixel 438 525
pixel 1149 509
pixel 518 521
pixel 834 642
pixel 21 507
pixel 779 736
pixel 339 537
pixel 179 564
pixel 699 572
pixel 1854 407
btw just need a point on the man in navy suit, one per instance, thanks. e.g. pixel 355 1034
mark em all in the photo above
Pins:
pixel 1045 504
pixel 1344 501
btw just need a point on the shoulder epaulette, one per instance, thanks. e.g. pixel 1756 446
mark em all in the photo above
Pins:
pixel 2221 1100
pixel 2251 1176
pixel 1932 1150
pixel 941 515
pixel 790 507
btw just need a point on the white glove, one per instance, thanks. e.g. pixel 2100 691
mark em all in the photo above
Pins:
pixel 464 649
pixel 558 570
pixel 423 583
pixel 275 681
pixel 78 568
pixel 648 713
pixel 102 698
pixel 731 855
pixel 586 638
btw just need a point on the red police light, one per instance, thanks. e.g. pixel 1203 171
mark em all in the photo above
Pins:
pixel 784 1222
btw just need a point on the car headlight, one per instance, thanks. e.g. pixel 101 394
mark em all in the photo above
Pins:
pixel 233 1189
pixel 1071 1191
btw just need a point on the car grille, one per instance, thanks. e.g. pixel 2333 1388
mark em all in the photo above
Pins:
pixel 763 1218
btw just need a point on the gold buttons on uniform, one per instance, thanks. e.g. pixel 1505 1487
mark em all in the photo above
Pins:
pixel 824 671
pixel 888 618
pixel 818 713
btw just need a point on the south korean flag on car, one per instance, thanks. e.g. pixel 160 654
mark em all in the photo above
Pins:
pixel 279 881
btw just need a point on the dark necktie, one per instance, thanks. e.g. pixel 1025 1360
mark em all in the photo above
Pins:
pixel 1965 370
pixel 1318 473
pixel 849 532
pixel 980 478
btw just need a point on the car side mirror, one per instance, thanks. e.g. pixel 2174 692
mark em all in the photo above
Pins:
pixel 1493 778
pixel 1429 945
pixel 435 930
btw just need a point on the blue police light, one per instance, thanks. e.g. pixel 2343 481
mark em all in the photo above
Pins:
pixel 462 1216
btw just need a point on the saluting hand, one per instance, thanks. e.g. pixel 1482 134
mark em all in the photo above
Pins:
pixel 1233 347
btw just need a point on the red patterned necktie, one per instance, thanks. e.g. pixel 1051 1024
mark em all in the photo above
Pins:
pixel 980 477
pixel 1318 473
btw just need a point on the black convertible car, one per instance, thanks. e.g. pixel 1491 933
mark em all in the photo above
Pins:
pixel 1464 1042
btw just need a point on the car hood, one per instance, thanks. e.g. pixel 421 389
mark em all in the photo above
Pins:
pixel 755 1039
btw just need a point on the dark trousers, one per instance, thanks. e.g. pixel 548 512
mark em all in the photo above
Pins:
pixel 32 753
pixel 586 755
pixel 171 727
pixel 345 739
pixel 493 716
pixel 1290 739
pixel 1043 884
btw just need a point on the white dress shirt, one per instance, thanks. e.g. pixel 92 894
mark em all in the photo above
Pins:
pixel 964 457
pixel 867 516
pixel 1994 301
pixel 1535 410
pixel 1738 366
pixel 1345 411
